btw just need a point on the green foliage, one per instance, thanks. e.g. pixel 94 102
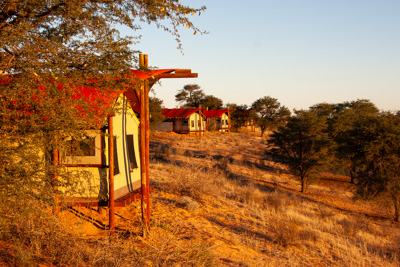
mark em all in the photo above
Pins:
pixel 269 113
pixel 342 125
pixel 240 115
pixel 302 144
pixel 211 102
pixel 50 53
pixel 191 95
pixel 155 112
pixel 378 153
pixel 42 36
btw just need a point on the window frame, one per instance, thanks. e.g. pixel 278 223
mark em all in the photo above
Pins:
pixel 87 161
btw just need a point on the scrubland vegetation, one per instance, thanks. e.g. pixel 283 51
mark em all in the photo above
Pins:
pixel 217 202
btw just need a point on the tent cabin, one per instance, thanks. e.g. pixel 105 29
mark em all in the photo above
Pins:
pixel 249 123
pixel 185 120
pixel 116 154
pixel 218 119
pixel 243 119
pixel 90 153
pixel 135 98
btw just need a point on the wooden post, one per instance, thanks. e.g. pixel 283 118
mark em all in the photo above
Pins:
pixel 229 121
pixel 111 210
pixel 143 167
pixel 54 162
pixel 147 141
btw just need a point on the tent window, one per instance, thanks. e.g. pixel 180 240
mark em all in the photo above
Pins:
pixel 192 124
pixel 131 152
pixel 116 165
pixel 82 148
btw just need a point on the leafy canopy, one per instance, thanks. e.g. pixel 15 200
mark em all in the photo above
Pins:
pixel 378 149
pixel 190 95
pixel 269 113
pixel 51 53
pixel 302 144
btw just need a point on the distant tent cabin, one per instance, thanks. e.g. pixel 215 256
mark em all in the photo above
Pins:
pixel 184 121
pixel 218 119
pixel 249 123
pixel 243 120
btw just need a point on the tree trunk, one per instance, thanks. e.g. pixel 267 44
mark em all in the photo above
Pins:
pixel 303 183
pixel 396 203
pixel 352 173
pixel 262 131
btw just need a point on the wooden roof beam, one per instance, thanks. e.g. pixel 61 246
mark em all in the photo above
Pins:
pixel 179 73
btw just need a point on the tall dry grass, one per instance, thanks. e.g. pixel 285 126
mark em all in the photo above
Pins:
pixel 282 220
pixel 217 202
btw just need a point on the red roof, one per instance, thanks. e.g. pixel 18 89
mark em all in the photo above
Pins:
pixel 179 113
pixel 212 113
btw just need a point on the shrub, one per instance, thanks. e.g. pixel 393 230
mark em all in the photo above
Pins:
pixel 193 181
pixel 188 203
pixel 162 152
pixel 274 201
pixel 309 235
pixel 286 233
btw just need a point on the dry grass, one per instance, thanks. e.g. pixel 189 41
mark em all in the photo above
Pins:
pixel 257 206
pixel 217 202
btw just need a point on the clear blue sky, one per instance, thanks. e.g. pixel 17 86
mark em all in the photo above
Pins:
pixel 302 52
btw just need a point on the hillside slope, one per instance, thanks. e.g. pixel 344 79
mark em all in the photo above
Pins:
pixel 250 211
pixel 217 202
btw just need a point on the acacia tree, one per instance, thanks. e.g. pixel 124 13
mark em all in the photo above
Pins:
pixel 190 95
pixel 341 130
pixel 49 50
pixel 378 148
pixel 211 102
pixel 155 106
pixel 240 114
pixel 302 144
pixel 269 113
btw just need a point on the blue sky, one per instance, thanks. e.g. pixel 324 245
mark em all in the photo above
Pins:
pixel 302 52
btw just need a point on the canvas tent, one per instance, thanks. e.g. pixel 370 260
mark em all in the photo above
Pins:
pixel 117 153
pixel 185 120
pixel 219 118
pixel 91 155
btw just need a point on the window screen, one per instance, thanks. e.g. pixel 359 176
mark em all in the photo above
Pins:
pixel 131 152
pixel 84 147
pixel 116 165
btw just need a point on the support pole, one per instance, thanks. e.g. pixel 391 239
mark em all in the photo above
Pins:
pixel 229 121
pixel 143 167
pixel 111 210
pixel 147 141
pixel 200 123
pixel 54 162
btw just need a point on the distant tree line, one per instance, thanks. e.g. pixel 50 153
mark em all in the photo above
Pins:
pixel 354 137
